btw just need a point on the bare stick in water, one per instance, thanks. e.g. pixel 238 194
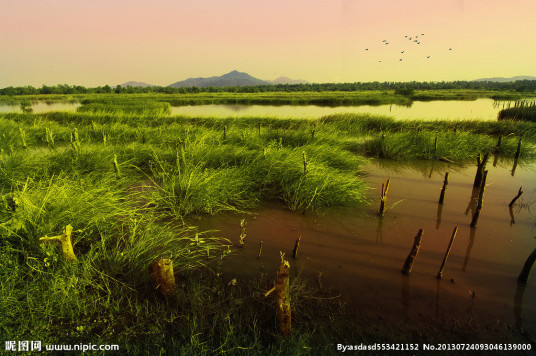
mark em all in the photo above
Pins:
pixel 516 197
pixel 440 273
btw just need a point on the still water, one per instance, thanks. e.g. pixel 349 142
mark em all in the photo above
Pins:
pixel 41 107
pixel 480 109
pixel 361 256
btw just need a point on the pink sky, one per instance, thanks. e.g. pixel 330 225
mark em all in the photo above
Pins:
pixel 102 42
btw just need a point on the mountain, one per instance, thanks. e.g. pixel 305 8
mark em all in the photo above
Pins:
pixel 502 79
pixel 231 79
pixel 287 80
pixel 136 84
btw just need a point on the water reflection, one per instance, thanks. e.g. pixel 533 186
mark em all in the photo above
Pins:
pixel 472 233
pixel 471 207
pixel 480 109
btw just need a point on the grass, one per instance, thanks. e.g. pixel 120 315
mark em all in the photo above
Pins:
pixel 172 168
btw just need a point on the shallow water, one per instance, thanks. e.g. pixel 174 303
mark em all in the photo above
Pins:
pixel 41 107
pixel 480 109
pixel 361 256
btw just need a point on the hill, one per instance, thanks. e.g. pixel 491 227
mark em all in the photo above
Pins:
pixel 231 79
pixel 504 80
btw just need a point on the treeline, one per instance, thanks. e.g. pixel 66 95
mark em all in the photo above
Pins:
pixel 518 86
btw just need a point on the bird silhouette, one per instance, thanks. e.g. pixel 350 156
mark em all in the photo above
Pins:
pixel 450 49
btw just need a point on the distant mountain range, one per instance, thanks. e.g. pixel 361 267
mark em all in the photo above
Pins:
pixel 231 79
pixel 503 80
pixel 137 84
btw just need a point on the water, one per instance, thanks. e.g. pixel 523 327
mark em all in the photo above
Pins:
pixel 480 109
pixel 361 256
pixel 41 107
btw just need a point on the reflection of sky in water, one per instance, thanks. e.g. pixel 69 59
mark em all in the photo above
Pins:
pixel 481 109
pixel 41 107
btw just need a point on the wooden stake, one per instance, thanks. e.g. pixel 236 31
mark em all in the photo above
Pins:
pixel 281 287
pixel 65 240
pixel 242 240
pixel 440 273
pixel 260 251
pixel 524 275
pixel 383 197
pixel 445 183
pixel 296 246
pixel 476 215
pixel 162 271
pixel 408 265
pixel 516 197
pixel 480 167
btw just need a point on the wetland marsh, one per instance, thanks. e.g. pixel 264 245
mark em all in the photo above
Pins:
pixel 138 182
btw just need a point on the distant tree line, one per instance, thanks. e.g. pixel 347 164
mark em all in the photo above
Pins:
pixel 518 86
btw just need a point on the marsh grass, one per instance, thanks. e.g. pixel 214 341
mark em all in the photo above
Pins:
pixel 171 168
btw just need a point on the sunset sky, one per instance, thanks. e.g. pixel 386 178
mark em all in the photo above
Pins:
pixel 101 42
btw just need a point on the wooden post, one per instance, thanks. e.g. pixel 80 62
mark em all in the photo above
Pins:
pixel 408 265
pixel 296 246
pixel 524 275
pixel 476 215
pixel 65 240
pixel 445 183
pixel 260 251
pixel 480 167
pixel 383 197
pixel 281 287
pixel 162 271
pixel 242 240
pixel 516 197
pixel 440 273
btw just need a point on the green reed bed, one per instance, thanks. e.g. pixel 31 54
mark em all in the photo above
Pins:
pixel 128 213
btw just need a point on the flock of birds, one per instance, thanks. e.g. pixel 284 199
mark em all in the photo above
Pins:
pixel 415 39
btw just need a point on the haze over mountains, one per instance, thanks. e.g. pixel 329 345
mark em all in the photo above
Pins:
pixel 231 79
pixel 504 80
pixel 239 79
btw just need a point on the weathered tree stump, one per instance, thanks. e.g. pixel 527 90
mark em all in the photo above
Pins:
pixel 480 167
pixel 408 265
pixel 65 240
pixel 383 198
pixel 296 246
pixel 443 190
pixel 162 271
pixel 282 289
pixel 476 215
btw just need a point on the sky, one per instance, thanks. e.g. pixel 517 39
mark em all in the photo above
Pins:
pixel 100 42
